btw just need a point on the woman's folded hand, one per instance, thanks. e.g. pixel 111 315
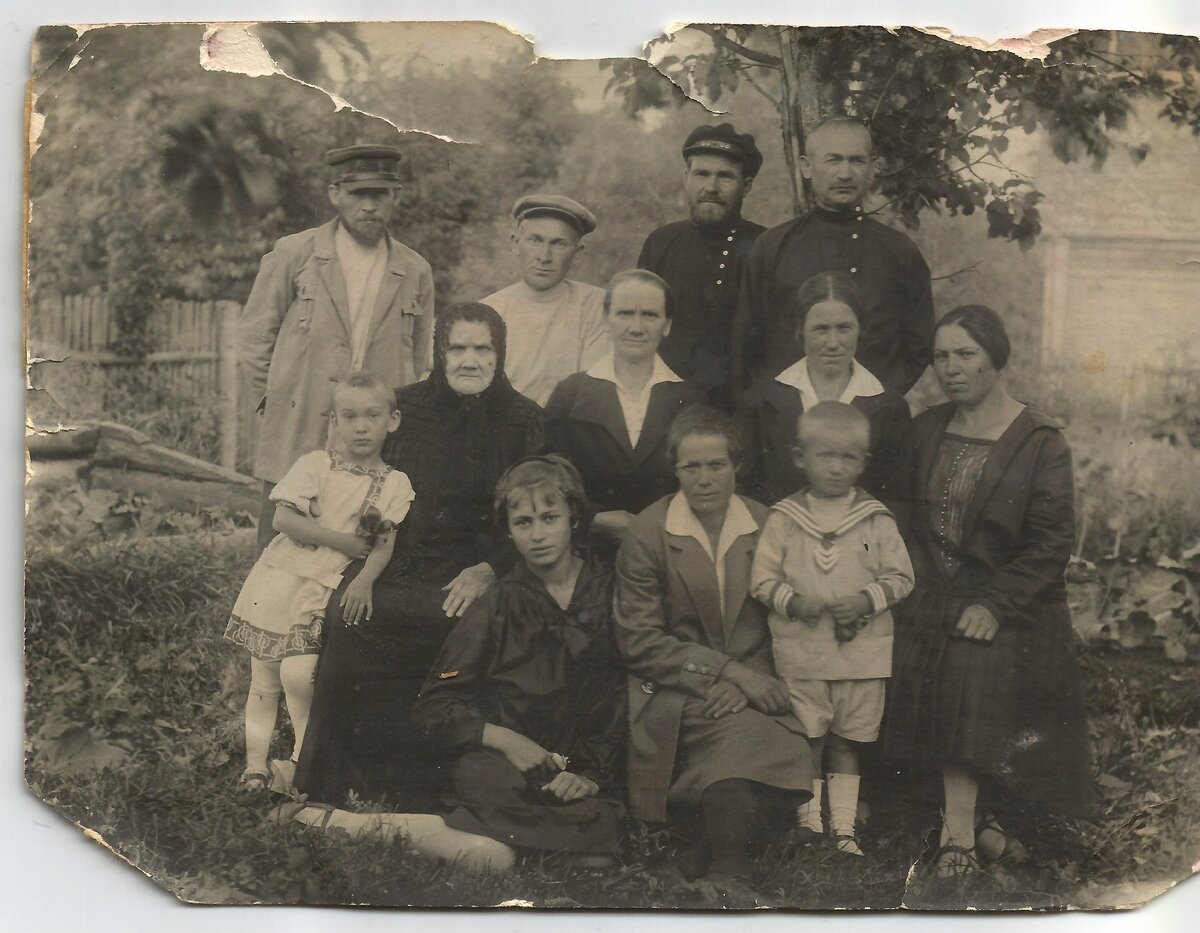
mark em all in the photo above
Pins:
pixel 723 698
pixel 977 624
pixel 766 694
pixel 567 786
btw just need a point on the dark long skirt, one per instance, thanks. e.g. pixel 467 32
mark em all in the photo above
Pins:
pixel 1012 710
pixel 360 739
pixel 488 796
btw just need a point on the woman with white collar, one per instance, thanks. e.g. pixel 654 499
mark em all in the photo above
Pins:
pixel 611 421
pixel 828 314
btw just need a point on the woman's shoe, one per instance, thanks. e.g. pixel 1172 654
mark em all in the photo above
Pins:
pixel 993 844
pixel 952 861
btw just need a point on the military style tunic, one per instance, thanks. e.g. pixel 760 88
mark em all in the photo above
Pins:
pixel 897 328
pixel 703 266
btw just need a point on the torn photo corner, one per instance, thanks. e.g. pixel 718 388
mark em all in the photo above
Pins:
pixel 225 220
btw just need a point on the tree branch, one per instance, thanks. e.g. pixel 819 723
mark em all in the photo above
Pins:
pixel 719 37
pixel 973 267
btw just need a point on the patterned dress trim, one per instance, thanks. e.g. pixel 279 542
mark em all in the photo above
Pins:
pixel 304 638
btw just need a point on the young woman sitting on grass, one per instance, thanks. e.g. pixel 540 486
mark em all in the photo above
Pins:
pixel 525 700
pixel 334 507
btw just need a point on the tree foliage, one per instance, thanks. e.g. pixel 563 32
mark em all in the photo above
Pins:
pixel 941 114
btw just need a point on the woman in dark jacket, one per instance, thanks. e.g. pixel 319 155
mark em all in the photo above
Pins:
pixel 985 682
pixel 612 420
pixel 526 699
pixel 828 313
pixel 460 429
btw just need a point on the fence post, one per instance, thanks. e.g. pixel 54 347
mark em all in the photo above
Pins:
pixel 227 376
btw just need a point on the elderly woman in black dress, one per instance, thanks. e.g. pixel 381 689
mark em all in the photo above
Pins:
pixel 612 420
pixel 460 429
pixel 828 312
pixel 985 683
pixel 711 733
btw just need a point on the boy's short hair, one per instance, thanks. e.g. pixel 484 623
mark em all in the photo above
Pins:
pixel 553 471
pixel 363 379
pixel 837 417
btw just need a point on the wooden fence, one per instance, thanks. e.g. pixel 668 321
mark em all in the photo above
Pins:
pixel 192 358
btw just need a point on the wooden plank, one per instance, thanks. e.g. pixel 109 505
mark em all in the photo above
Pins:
pixel 179 493
pixel 51 474
pixel 68 443
pixel 123 447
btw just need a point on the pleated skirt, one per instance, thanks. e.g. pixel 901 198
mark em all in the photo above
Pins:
pixel 1011 710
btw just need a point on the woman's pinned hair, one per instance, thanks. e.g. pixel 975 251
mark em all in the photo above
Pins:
pixel 700 419
pixel 553 473
pixel 827 286
pixel 985 327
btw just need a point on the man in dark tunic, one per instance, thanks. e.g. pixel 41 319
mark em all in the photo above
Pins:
pixel 837 236
pixel 701 258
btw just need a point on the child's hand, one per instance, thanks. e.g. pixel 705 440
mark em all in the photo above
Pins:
pixel 356 602
pixel 850 608
pixel 314 508
pixel 805 608
pixel 353 546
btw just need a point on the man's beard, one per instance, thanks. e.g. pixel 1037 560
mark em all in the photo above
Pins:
pixel 701 213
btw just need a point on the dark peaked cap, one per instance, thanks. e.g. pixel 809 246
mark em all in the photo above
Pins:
pixel 724 140
pixel 356 167
pixel 555 205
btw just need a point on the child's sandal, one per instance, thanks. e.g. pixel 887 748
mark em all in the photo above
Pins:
pixel 253 780
pixel 847 845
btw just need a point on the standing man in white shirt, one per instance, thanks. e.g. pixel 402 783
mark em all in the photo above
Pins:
pixel 335 298
pixel 555 325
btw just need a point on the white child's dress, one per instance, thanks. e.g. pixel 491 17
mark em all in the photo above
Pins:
pixel 280 611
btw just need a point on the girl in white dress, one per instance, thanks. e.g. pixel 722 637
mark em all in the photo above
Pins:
pixel 335 506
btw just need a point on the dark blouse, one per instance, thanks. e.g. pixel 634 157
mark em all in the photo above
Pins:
pixel 956 470
pixel 518 660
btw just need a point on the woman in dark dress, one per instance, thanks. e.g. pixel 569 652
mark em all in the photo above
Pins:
pixel 612 421
pixel 985 683
pixel 460 429
pixel 828 313
pixel 527 696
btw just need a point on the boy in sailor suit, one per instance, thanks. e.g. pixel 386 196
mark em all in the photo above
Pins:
pixel 829 565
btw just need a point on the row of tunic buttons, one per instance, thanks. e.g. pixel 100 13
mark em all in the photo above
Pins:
pixel 854 236
pixel 692 669
pixel 728 239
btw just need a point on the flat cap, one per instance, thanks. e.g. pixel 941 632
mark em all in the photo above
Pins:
pixel 356 167
pixel 724 140
pixel 555 205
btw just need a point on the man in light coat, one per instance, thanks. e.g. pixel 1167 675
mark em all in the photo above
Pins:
pixel 335 298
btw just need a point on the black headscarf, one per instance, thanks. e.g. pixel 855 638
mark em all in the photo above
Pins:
pixel 455 447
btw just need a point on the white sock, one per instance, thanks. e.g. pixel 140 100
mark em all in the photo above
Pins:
pixel 843 802
pixel 808 814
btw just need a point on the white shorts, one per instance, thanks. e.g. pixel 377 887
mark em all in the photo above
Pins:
pixel 852 709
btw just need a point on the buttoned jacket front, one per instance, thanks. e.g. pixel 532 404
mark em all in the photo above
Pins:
pixel 294 338
pixel 675 639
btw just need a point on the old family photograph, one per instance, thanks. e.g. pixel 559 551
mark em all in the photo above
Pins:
pixel 759 475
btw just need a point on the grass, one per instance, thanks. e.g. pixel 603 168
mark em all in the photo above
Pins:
pixel 133 714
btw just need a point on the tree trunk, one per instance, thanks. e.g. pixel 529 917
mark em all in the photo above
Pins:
pixel 801 108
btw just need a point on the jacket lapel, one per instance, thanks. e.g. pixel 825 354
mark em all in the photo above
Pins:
pixel 738 560
pixel 389 285
pixel 662 409
pixel 700 579
pixel 927 448
pixel 597 404
pixel 995 467
pixel 331 273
